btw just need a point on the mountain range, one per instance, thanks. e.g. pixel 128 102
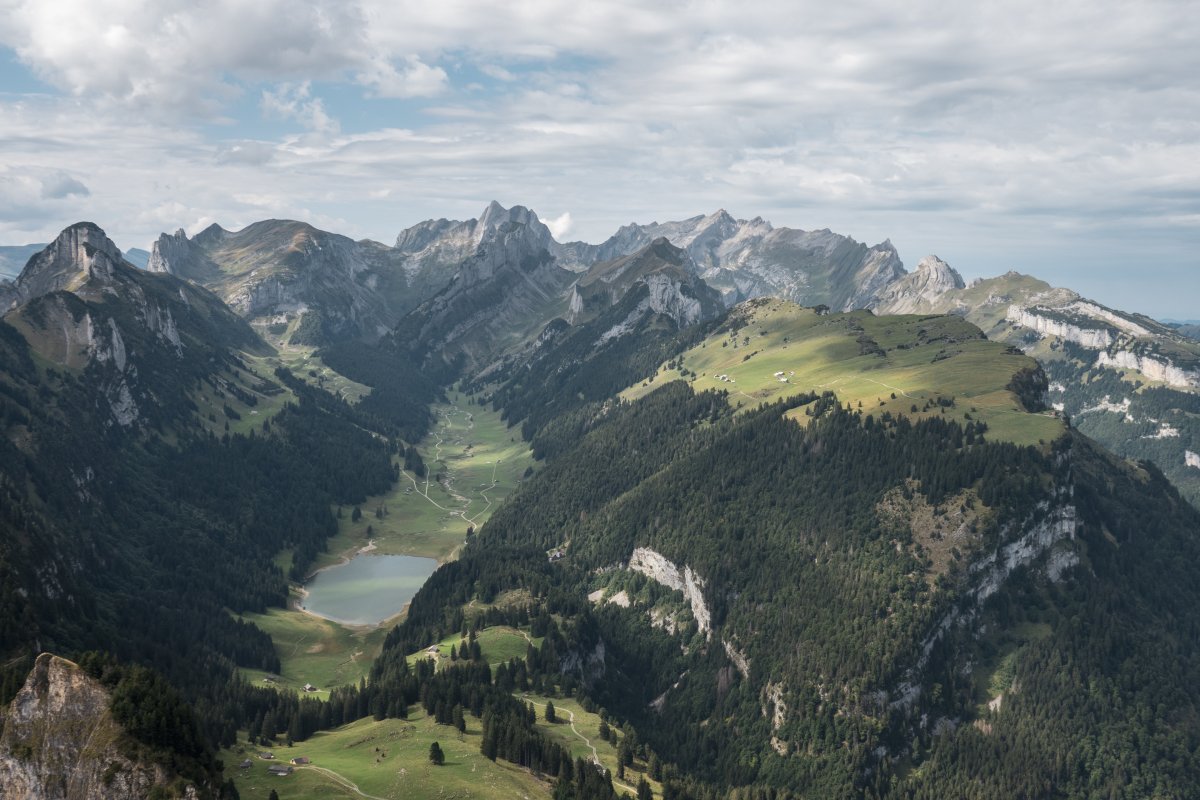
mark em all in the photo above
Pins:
pixel 801 523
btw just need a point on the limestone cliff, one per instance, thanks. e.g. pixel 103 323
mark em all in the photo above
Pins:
pixel 919 289
pixel 501 296
pixel 1154 368
pixel 666 270
pixel 140 338
pixel 81 253
pixel 60 742
pixel 744 259
pixel 657 567
pixel 1042 321
pixel 278 272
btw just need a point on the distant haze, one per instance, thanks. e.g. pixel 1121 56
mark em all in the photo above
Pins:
pixel 1060 140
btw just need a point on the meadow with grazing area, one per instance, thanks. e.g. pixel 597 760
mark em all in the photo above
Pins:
pixel 773 349
pixel 384 759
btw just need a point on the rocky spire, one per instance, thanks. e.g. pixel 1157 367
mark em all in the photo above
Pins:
pixel 80 253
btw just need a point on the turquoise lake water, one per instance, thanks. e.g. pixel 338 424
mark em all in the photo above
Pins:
pixel 368 589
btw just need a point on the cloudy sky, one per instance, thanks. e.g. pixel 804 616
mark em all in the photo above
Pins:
pixel 1060 139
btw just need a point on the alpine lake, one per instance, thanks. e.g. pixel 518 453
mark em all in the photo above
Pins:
pixel 367 589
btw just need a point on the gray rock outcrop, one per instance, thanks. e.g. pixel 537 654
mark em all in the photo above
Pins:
pixel 60 742
pixel 915 291
pixel 744 259
pixel 79 254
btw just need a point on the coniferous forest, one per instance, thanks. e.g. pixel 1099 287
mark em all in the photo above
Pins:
pixel 819 600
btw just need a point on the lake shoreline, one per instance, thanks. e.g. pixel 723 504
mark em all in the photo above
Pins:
pixel 398 572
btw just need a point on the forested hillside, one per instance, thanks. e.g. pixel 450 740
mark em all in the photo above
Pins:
pixel 885 689
pixel 781 553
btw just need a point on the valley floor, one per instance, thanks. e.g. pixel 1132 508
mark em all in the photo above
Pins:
pixel 473 461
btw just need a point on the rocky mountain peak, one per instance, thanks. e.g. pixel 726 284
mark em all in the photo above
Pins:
pixel 919 290
pixel 82 252
pixel 423 234
pixel 669 275
pixel 178 255
pixel 60 740
pixel 442 244
pixel 210 236
pixel 940 273
pixel 496 217
pixel 662 248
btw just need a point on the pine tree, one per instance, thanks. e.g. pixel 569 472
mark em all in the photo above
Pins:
pixel 436 756
pixel 550 711
pixel 460 721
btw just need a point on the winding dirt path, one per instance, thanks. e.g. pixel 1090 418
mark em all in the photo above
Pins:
pixel 574 730
pixel 437 459
pixel 342 781
pixel 586 741
pixel 838 380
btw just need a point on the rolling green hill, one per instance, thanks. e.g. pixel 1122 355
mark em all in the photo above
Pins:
pixel 770 350
pixel 780 591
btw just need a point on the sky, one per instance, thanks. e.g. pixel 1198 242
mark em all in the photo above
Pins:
pixel 1059 139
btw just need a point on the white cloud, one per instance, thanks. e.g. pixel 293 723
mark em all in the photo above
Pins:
pixel 295 101
pixel 59 185
pixel 416 79
pixel 498 72
pixel 560 226
pixel 1004 131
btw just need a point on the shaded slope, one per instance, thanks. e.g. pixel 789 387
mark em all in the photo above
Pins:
pixel 300 282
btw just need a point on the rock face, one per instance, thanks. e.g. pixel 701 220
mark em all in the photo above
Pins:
pixel 80 254
pixel 916 290
pixel 180 256
pixel 750 258
pixel 1046 325
pixel 442 245
pixel 1045 541
pixel 667 272
pixel 278 272
pixel 60 741
pixel 141 339
pixel 1156 369
pixel 1191 459
pixel 502 295
pixel 658 568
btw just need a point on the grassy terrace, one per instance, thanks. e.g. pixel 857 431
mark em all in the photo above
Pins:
pixel 389 758
pixel 883 363
pixel 386 759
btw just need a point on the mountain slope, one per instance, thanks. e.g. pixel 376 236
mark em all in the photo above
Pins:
pixel 145 340
pixel 60 738
pixel 750 258
pixel 785 592
pixel 296 281
pixel 664 269
pixel 499 298
pixel 1128 381
pixel 130 521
